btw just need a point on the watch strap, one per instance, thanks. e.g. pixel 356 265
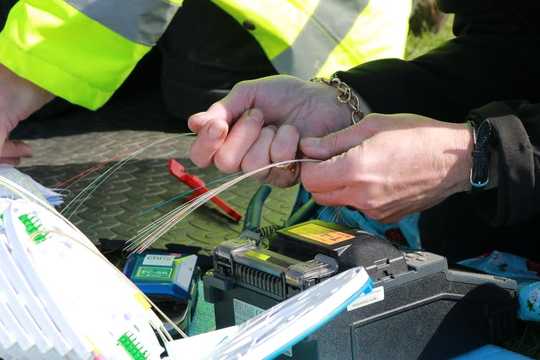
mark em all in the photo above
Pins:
pixel 481 154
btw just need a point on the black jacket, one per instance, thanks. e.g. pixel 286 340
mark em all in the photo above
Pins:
pixel 494 60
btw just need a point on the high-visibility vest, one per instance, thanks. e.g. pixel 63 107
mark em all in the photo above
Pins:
pixel 82 50
pixel 308 38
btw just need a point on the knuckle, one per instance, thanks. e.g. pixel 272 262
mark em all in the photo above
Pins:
pixel 306 180
pixel 333 144
pixel 321 200
pixel 366 203
pixel 250 163
pixel 241 88
pixel 226 163
pixel 199 162
pixel 373 214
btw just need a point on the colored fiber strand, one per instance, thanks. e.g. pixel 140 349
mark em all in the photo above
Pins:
pixel 185 194
pixel 155 230
pixel 75 204
pixel 76 178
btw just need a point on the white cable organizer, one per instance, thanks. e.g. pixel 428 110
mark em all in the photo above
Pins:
pixel 61 299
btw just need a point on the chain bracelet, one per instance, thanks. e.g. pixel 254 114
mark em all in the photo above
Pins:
pixel 345 95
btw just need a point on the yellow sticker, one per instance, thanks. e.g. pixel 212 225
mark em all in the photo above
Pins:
pixel 139 296
pixel 321 234
pixel 257 255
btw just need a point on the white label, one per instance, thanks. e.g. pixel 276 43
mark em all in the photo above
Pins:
pixel 376 295
pixel 184 273
pixel 158 260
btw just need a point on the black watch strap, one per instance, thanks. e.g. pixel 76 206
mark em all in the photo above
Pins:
pixel 481 154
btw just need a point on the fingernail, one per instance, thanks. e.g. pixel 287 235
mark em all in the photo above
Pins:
pixel 215 131
pixel 311 142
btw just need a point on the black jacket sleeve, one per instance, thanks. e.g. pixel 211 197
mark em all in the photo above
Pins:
pixel 517 130
pixel 494 57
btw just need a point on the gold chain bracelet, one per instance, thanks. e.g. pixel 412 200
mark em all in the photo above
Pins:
pixel 345 95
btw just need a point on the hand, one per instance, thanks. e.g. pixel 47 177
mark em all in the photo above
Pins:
pixel 19 98
pixel 389 166
pixel 261 121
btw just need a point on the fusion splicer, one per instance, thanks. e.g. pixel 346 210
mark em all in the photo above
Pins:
pixel 418 308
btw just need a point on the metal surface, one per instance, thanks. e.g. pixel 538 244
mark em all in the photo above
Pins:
pixel 114 210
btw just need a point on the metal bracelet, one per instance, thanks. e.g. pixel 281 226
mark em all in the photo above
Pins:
pixel 345 95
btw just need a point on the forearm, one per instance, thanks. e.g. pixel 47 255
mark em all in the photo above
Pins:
pixel 19 98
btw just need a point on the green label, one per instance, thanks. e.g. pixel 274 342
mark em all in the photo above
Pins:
pixel 132 347
pixel 33 229
pixel 153 273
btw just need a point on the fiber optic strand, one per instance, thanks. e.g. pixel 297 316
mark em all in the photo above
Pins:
pixel 149 234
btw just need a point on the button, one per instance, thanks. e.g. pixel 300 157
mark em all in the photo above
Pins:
pixel 248 25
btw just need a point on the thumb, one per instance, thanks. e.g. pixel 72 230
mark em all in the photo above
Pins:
pixel 227 110
pixel 335 143
pixel 15 149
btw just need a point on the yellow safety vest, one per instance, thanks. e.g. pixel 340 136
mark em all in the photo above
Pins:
pixel 82 50
pixel 308 38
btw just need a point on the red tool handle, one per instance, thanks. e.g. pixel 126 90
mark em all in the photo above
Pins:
pixel 177 170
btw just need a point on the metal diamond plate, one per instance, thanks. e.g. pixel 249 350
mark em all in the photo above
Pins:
pixel 115 209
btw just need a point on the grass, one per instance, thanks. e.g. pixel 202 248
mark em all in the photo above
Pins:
pixel 527 340
pixel 419 45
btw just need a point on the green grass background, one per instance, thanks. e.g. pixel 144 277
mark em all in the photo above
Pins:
pixel 527 341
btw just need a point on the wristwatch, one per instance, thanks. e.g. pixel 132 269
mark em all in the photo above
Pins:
pixel 483 138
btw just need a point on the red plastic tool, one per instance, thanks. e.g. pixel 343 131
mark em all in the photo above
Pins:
pixel 177 170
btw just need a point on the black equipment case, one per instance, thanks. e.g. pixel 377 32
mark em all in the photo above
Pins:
pixel 419 309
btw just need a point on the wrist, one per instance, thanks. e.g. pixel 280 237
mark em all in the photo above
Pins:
pixel 460 169
pixel 350 105
pixel 19 98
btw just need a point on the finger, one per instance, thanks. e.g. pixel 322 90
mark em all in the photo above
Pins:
pixel 335 143
pixel 228 109
pixel 10 160
pixel 284 147
pixel 339 197
pixel 209 140
pixel 285 144
pixel 394 218
pixel 258 155
pixel 241 137
pixel 332 174
pixel 15 149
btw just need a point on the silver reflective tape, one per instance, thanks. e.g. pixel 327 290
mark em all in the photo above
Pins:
pixel 141 21
pixel 330 23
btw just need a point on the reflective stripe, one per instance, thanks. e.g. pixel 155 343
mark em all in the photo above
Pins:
pixel 141 21
pixel 328 25
pixel 379 32
pixel 277 22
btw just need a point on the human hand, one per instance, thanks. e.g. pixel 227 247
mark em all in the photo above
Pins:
pixel 19 98
pixel 389 166
pixel 261 121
